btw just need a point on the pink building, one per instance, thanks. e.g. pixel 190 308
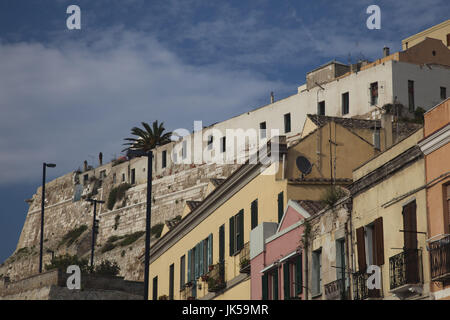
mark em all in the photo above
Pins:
pixel 276 254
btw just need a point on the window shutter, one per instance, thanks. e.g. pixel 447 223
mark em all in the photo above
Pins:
pixel 299 274
pixel 189 278
pixel 202 258
pixel 286 282
pixel 280 206
pixel 448 197
pixel 222 243
pixel 361 247
pixel 232 235
pixel 410 224
pixel 240 217
pixel 197 260
pixel 275 285
pixel 265 286
pixel 379 242
pixel 254 214
pixel 210 250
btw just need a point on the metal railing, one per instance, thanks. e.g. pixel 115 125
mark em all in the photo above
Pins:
pixel 244 259
pixel 189 291
pixel 405 268
pixel 440 258
pixel 360 289
pixel 336 290
pixel 216 277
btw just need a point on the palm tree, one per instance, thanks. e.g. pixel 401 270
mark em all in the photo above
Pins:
pixel 148 138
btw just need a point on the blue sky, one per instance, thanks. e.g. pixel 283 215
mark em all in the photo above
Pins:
pixel 66 95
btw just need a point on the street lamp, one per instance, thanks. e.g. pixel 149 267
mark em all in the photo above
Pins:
pixel 149 155
pixel 44 166
pixel 94 227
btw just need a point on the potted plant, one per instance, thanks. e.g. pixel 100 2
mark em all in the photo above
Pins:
pixel 163 297
pixel 205 277
pixel 191 298
pixel 211 267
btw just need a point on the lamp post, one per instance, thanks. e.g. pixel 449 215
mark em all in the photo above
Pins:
pixel 44 166
pixel 149 154
pixel 94 227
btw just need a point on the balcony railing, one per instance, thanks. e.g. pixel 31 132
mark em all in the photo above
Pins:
pixel 216 277
pixel 336 290
pixel 360 289
pixel 440 259
pixel 405 268
pixel 189 291
pixel 244 258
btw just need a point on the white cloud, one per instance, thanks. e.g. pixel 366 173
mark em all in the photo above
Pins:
pixel 64 102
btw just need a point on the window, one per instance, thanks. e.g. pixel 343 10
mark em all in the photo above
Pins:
pixel 182 271
pixel 85 178
pixel 133 176
pixel 200 258
pixel 374 93
pixel 341 273
pixel 447 214
pixel 155 288
pixel 412 269
pixel 223 144
pixel 210 142
pixel 317 272
pixel 123 177
pixel 262 130
pixel 171 280
pixel 114 178
pixel 102 174
pixel 236 233
pixel 345 103
pixel 411 95
pixel 292 277
pixel 287 122
pixel 280 206
pixel 270 285
pixel 321 108
pixel 254 214
pixel 448 39
pixel 184 150
pixel 164 159
pixel 443 93
pixel 222 243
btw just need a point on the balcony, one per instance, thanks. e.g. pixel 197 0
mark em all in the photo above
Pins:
pixel 244 259
pixel 336 290
pixel 216 277
pixel 440 259
pixel 189 292
pixel 360 289
pixel 405 271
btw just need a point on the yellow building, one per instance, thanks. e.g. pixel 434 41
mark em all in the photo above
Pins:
pixel 205 255
pixel 440 31
pixel 389 223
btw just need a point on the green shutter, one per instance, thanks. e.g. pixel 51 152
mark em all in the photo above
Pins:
pixel 196 262
pixel 210 250
pixel 265 286
pixel 286 282
pixel 299 274
pixel 232 233
pixel 202 257
pixel 254 214
pixel 275 285
pixel 222 243
pixel 240 217
pixel 280 206
pixel 189 265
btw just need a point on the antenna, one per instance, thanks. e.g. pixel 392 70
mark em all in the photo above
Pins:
pixel 303 165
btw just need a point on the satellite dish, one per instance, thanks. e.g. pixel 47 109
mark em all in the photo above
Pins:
pixel 303 165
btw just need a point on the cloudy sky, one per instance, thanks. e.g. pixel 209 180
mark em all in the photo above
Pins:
pixel 66 95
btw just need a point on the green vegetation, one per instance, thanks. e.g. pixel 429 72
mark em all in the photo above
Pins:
pixel 332 195
pixel 156 230
pixel 117 193
pixel 114 242
pixel 105 268
pixel 72 235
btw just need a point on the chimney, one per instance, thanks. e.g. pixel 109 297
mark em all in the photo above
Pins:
pixel 386 52
pixel 272 98
pixel 100 159
pixel 85 165
pixel 386 125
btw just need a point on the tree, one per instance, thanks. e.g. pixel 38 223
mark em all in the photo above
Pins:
pixel 148 138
